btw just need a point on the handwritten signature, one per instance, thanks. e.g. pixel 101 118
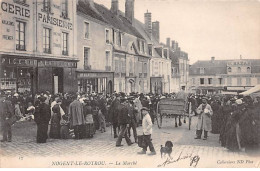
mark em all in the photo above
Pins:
pixel 194 160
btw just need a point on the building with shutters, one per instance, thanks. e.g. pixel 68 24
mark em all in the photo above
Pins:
pixel 220 76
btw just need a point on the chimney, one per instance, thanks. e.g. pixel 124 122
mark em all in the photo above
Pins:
pixel 114 6
pixel 129 10
pixel 156 30
pixel 212 59
pixel 148 23
pixel 168 42
pixel 176 46
pixel 173 45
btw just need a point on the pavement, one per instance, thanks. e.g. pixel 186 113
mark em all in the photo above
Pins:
pixel 100 151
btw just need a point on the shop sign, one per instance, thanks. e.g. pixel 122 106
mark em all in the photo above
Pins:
pixel 54 21
pixel 40 63
pixel 236 63
pixel 15 9
pixel 142 59
pixel 94 75
pixel 16 61
pixel 46 63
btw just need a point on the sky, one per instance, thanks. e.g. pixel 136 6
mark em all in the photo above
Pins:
pixel 223 29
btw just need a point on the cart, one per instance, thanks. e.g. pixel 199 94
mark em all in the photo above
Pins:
pixel 171 108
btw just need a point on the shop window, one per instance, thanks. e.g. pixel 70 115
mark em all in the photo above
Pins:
pixel 202 81
pixel 46 40
pixel 107 36
pixel 64 9
pixel 20 35
pixel 65 43
pixel 86 34
pixel 86 56
pixel 47 6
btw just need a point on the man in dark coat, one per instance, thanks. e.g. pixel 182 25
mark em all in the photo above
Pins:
pixel 123 121
pixel 42 117
pixel 132 112
pixel 113 114
pixel 6 112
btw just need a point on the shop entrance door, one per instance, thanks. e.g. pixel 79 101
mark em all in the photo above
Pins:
pixel 57 80
pixel 109 89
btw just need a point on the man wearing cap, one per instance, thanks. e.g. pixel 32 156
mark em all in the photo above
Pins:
pixel 6 112
pixel 42 117
pixel 204 119
pixel 147 132
pixel 123 121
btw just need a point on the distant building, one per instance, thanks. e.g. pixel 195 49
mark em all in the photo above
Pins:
pixel 217 76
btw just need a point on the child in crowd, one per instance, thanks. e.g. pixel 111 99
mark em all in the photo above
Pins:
pixel 64 129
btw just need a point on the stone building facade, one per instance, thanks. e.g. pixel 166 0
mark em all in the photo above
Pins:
pixel 38 46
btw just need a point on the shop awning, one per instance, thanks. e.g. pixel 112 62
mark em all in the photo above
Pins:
pixel 255 89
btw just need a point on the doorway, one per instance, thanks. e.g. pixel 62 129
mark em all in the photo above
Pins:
pixel 57 80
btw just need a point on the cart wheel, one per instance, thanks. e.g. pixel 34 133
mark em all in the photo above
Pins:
pixel 189 122
pixel 159 120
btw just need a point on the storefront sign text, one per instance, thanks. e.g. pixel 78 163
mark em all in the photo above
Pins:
pixel 39 63
pixel 234 63
pixel 6 37
pixel 54 21
pixel 94 75
pixel 14 9
pixel 16 61
pixel 10 23
pixel 46 63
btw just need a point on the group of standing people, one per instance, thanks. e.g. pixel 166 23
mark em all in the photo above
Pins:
pixel 236 119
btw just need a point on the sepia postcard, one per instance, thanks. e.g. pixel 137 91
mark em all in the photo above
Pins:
pixel 130 83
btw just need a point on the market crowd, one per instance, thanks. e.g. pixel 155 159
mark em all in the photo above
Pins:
pixel 62 116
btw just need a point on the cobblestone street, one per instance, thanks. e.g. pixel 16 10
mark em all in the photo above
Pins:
pixel 24 150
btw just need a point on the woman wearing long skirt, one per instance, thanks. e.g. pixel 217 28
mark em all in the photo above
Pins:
pixel 55 120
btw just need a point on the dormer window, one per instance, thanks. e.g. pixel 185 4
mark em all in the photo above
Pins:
pixel 229 69
pixel 202 70
pixel 165 53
